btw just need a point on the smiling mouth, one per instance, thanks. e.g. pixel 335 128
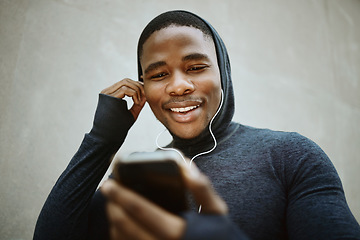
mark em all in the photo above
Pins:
pixel 184 109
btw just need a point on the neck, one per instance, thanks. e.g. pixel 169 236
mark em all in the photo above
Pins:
pixel 202 144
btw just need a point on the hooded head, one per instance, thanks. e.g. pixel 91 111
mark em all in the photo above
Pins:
pixel 187 19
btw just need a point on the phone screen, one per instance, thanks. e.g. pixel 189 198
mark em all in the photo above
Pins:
pixel 159 181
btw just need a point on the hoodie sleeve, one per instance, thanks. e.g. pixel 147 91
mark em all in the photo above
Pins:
pixel 211 227
pixel 317 208
pixel 66 211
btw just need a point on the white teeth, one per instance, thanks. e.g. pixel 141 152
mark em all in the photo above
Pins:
pixel 185 109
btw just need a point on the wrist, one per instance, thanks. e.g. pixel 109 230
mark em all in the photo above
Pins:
pixel 112 119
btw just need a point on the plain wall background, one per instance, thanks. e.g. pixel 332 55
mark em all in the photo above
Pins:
pixel 296 67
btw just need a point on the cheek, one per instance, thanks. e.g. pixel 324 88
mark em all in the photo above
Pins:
pixel 152 96
pixel 149 92
pixel 212 88
pixel 213 91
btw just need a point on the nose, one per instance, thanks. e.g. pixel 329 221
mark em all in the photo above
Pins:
pixel 179 85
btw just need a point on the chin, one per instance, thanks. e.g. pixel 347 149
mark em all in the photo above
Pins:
pixel 187 133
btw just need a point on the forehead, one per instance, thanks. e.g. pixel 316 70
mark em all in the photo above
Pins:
pixel 176 39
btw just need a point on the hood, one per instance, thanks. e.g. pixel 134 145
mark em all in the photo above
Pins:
pixel 204 141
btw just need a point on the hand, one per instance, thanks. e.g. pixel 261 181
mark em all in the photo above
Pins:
pixel 200 187
pixel 130 88
pixel 131 216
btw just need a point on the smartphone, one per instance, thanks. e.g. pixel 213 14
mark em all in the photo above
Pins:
pixel 156 176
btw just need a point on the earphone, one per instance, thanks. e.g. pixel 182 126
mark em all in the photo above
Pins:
pixel 199 154
pixel 211 132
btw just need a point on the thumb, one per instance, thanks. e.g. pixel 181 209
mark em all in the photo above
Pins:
pixel 136 108
pixel 200 187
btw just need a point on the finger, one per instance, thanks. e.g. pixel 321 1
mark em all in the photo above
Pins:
pixel 136 108
pixel 127 87
pixel 115 86
pixel 141 86
pixel 202 190
pixel 123 227
pixel 138 87
pixel 119 88
pixel 132 89
pixel 162 224
pixel 127 91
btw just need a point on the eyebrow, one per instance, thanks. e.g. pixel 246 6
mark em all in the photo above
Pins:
pixel 154 66
pixel 192 56
pixel 196 56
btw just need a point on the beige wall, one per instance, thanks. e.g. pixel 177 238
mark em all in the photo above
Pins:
pixel 296 67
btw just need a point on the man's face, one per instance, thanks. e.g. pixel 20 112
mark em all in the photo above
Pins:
pixel 181 79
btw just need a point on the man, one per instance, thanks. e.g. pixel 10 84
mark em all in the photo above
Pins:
pixel 275 185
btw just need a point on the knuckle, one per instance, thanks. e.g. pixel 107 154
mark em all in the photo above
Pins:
pixel 122 88
pixel 133 208
pixel 119 219
pixel 128 80
pixel 116 215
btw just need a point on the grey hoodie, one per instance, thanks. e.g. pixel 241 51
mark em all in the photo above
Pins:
pixel 277 185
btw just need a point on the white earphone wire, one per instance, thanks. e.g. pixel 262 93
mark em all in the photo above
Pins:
pixel 211 132
pixel 199 154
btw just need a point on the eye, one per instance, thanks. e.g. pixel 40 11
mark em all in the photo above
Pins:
pixel 197 68
pixel 158 76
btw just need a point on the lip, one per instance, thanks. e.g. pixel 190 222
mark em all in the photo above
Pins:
pixel 182 104
pixel 184 111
